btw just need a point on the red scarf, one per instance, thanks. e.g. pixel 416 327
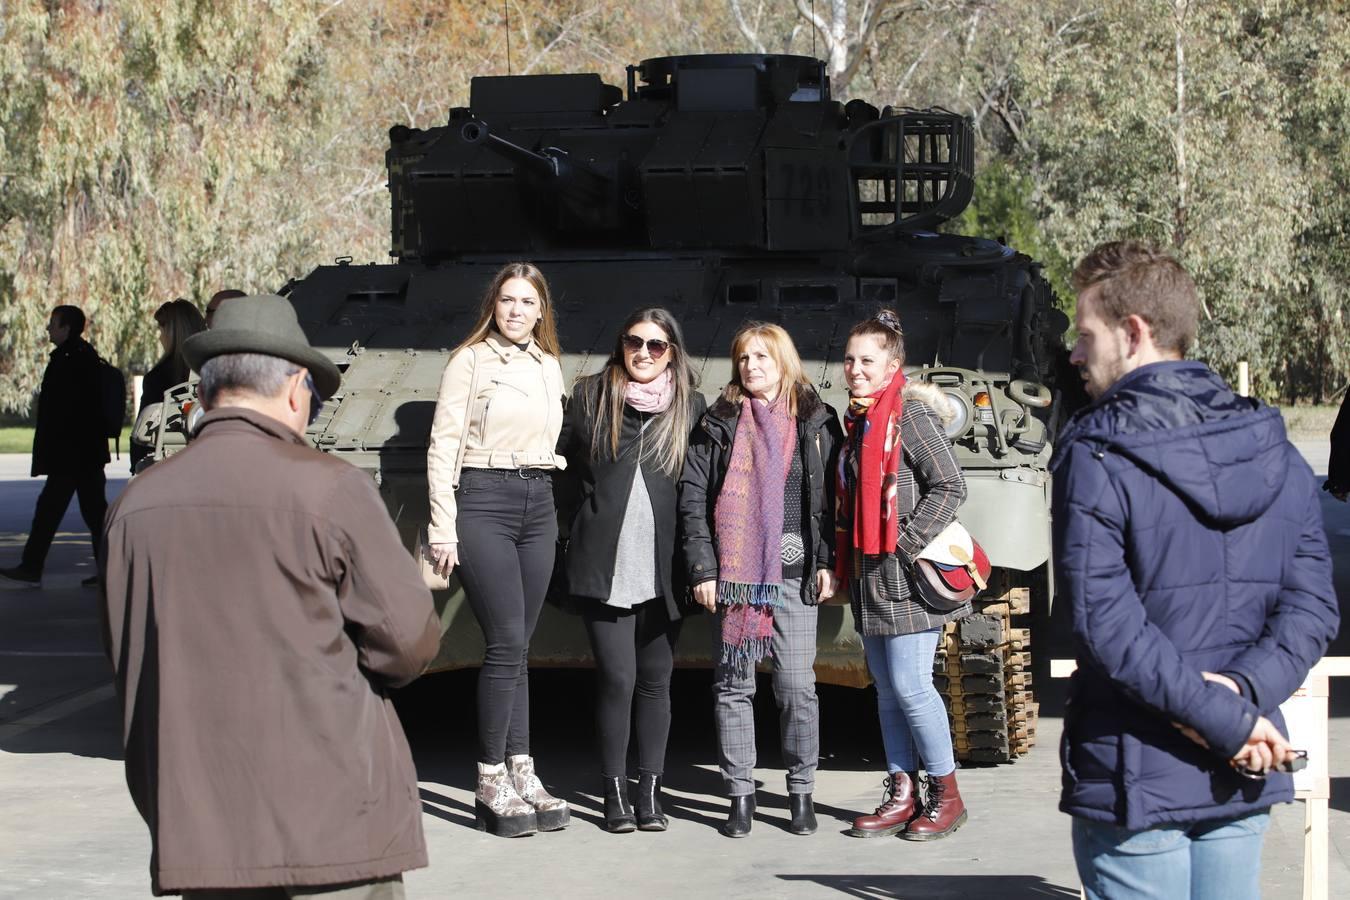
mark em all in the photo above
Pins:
pixel 868 474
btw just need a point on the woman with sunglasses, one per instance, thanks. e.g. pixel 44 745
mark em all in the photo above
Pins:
pixel 756 503
pixel 489 470
pixel 625 438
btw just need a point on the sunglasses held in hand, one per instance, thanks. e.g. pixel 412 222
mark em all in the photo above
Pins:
pixel 1297 764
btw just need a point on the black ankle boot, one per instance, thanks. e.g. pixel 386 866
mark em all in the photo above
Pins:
pixel 619 818
pixel 740 816
pixel 803 814
pixel 649 815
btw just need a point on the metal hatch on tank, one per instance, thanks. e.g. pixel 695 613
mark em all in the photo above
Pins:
pixel 724 188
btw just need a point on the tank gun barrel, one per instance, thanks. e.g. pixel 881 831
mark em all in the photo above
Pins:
pixel 571 177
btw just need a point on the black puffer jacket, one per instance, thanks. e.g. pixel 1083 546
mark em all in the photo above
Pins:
pixel 69 437
pixel 819 438
pixel 592 497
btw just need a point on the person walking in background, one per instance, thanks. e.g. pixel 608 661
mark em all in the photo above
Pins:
pixel 899 486
pixel 70 447
pixel 489 467
pixel 757 508
pixel 1189 546
pixel 178 320
pixel 258 608
pixel 1338 464
pixel 625 437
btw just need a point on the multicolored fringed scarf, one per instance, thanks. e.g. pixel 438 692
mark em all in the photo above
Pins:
pixel 749 521
pixel 867 474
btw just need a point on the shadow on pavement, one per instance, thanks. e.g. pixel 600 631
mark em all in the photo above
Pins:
pixel 939 887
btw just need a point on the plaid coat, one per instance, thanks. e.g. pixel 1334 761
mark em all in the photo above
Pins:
pixel 930 490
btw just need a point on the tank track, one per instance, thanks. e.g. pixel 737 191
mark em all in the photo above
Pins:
pixel 983 671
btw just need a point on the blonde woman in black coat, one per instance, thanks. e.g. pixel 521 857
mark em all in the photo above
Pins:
pixel 625 436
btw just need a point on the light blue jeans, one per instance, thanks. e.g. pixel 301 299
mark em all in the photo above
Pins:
pixel 913 716
pixel 1214 860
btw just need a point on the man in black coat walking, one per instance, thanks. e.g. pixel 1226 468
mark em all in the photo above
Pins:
pixel 69 446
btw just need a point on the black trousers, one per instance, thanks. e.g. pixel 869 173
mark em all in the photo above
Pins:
pixel 51 508
pixel 508 532
pixel 634 653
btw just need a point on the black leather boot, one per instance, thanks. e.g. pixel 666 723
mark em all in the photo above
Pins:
pixel 740 816
pixel 803 814
pixel 649 815
pixel 619 818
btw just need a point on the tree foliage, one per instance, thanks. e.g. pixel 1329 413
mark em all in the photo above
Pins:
pixel 159 148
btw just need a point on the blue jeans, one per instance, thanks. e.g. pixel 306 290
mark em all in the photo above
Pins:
pixel 911 710
pixel 1215 860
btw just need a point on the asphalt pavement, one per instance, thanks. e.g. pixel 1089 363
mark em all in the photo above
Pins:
pixel 68 828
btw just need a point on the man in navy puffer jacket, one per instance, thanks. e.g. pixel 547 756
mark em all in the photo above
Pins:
pixel 1189 545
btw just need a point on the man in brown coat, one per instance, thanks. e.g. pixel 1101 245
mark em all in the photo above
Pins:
pixel 258 608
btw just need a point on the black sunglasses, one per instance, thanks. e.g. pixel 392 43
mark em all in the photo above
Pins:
pixel 656 349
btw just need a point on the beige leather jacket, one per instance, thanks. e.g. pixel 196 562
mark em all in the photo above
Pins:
pixel 514 420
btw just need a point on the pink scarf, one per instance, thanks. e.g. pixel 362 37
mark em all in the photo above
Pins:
pixel 652 397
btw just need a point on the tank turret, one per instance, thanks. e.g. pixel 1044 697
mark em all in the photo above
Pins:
pixel 733 151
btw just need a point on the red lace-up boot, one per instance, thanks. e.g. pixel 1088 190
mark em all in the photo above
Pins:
pixel 898 806
pixel 943 812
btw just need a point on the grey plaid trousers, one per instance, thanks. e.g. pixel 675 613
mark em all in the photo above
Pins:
pixel 794 687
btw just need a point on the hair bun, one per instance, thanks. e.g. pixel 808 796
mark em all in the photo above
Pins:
pixel 889 320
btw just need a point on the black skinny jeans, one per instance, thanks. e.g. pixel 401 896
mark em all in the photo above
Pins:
pixel 634 655
pixel 508 532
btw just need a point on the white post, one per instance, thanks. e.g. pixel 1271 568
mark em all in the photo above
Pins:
pixel 1244 388
pixel 137 383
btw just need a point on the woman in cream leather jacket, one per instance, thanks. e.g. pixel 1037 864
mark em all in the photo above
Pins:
pixel 489 468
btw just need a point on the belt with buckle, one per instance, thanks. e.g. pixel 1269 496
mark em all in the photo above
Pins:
pixel 526 473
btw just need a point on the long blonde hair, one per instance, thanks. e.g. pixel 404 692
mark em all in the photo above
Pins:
pixel 784 352
pixel 603 395
pixel 545 330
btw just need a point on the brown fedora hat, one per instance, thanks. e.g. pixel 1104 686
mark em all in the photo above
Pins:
pixel 266 324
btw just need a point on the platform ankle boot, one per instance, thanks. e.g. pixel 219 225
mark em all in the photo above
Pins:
pixel 740 816
pixel 552 813
pixel 898 806
pixel 649 814
pixel 943 812
pixel 803 812
pixel 498 809
pixel 619 818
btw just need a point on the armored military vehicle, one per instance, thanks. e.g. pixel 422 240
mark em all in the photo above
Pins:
pixel 724 188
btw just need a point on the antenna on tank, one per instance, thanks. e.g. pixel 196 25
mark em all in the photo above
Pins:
pixel 506 13
pixel 813 30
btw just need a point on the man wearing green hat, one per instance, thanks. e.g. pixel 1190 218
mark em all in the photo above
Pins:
pixel 258 606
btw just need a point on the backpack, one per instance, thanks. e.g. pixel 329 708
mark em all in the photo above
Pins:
pixel 112 401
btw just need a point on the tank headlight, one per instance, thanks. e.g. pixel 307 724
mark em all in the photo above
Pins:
pixel 960 415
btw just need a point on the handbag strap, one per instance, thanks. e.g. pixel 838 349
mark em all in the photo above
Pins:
pixel 468 415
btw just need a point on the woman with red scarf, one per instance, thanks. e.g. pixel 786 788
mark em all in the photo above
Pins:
pixel 898 486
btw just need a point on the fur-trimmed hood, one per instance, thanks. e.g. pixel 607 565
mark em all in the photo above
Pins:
pixel 930 395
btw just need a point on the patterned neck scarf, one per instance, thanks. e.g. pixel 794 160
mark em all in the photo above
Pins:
pixel 749 521
pixel 652 397
pixel 867 475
